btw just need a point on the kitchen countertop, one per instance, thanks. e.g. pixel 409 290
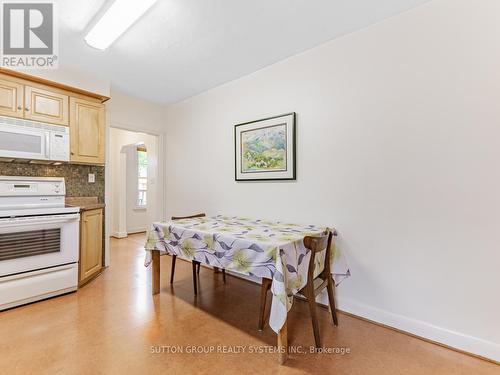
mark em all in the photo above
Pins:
pixel 85 203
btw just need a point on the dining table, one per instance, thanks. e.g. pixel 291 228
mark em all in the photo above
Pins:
pixel 252 247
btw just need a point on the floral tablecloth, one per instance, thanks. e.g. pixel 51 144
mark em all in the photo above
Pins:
pixel 260 248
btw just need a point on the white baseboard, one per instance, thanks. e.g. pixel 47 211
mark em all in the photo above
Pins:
pixel 125 234
pixel 119 234
pixel 453 339
pixel 460 341
pixel 457 340
pixel 135 230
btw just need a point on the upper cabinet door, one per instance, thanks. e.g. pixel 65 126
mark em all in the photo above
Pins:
pixel 11 98
pixel 87 130
pixel 46 106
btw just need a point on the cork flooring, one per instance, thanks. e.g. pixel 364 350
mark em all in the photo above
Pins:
pixel 114 326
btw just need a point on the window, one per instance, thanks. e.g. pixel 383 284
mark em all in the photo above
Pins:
pixel 142 176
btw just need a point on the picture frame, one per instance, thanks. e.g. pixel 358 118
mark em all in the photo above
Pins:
pixel 265 149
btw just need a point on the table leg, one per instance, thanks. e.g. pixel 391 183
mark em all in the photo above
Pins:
pixel 283 344
pixel 155 269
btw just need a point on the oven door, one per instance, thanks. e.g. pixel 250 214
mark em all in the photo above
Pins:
pixel 37 242
pixel 18 142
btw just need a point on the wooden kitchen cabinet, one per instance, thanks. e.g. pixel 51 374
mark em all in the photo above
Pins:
pixel 11 97
pixel 23 99
pixel 90 245
pixel 37 99
pixel 46 106
pixel 87 131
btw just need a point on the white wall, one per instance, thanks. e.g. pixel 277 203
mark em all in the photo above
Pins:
pixel 398 148
pixel 126 112
pixel 136 219
pixel 134 114
pixel 73 78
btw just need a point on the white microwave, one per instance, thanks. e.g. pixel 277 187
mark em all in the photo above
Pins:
pixel 23 139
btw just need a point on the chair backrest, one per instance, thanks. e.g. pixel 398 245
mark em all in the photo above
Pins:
pixel 317 244
pixel 188 217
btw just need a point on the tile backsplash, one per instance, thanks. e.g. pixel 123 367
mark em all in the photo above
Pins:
pixel 76 176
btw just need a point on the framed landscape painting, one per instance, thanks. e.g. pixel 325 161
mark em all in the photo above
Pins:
pixel 265 149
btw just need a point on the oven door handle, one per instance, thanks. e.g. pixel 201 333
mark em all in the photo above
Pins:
pixel 47 145
pixel 8 223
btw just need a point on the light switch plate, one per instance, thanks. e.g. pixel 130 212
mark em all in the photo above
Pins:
pixel 91 178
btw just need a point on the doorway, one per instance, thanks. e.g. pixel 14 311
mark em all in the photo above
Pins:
pixel 134 194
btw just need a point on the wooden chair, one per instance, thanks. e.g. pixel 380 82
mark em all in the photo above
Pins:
pixel 196 264
pixel 314 286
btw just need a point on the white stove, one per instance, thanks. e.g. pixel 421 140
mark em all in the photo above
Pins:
pixel 39 240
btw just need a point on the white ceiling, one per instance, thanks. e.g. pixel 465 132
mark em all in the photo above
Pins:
pixel 183 47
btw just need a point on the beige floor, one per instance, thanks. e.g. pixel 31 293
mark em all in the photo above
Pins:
pixel 111 325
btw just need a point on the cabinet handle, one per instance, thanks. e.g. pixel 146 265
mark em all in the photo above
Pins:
pixel 19 107
pixel 27 109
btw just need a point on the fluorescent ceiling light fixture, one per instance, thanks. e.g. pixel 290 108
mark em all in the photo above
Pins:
pixel 115 21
